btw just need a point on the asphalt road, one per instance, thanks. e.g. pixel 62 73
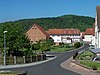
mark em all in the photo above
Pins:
pixel 51 67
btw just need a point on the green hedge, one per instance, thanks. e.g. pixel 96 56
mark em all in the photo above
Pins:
pixel 77 44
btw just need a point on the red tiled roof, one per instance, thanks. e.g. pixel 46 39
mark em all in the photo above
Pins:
pixel 89 31
pixel 83 33
pixel 64 31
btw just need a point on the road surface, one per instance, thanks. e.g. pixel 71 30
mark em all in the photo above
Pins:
pixel 51 67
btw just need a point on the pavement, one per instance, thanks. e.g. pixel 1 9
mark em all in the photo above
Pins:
pixel 52 67
pixel 66 65
pixel 26 65
pixel 75 68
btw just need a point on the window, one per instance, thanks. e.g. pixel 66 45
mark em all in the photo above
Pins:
pixel 64 32
pixel 58 40
pixel 58 35
pixel 34 27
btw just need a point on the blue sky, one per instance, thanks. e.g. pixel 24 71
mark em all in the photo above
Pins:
pixel 23 9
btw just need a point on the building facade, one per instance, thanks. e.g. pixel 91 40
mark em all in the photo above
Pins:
pixel 89 36
pixel 36 33
pixel 65 35
pixel 97 27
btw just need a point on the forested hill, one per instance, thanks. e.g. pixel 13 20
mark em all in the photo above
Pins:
pixel 65 21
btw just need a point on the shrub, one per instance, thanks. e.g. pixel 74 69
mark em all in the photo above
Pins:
pixel 77 44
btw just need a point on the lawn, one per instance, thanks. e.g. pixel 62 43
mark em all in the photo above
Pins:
pixel 8 73
pixel 91 64
pixel 58 49
pixel 86 57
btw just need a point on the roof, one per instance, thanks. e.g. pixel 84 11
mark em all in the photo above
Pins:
pixel 98 16
pixel 89 31
pixel 64 31
pixel 83 33
pixel 45 33
pixel 97 50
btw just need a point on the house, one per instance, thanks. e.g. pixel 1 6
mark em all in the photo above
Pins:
pixel 89 36
pixel 97 27
pixel 82 35
pixel 36 33
pixel 64 35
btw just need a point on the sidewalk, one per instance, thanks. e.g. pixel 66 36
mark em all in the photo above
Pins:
pixel 25 65
pixel 75 68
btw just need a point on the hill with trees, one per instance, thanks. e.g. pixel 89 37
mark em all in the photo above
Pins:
pixel 65 21
pixel 16 39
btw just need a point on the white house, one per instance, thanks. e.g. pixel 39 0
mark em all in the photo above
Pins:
pixel 65 35
pixel 89 36
pixel 97 27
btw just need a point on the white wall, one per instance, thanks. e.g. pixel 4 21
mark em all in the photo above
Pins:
pixel 93 40
pixel 98 39
pixel 56 38
pixel 88 38
pixel 62 38
pixel 66 41
pixel 97 34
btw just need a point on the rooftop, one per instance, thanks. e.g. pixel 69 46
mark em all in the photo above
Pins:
pixel 64 31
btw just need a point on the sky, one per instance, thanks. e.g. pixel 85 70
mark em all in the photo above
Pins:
pixel 11 10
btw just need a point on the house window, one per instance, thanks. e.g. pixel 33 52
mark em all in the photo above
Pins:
pixel 58 40
pixel 34 27
pixel 58 35
pixel 64 32
pixel 69 32
pixel 53 35
pixel 77 32
pixel 74 32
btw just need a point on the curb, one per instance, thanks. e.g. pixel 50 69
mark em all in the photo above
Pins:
pixel 78 68
pixel 26 65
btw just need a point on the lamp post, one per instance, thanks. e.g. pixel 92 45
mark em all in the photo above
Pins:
pixel 4 47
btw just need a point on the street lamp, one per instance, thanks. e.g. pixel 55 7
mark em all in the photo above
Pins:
pixel 4 48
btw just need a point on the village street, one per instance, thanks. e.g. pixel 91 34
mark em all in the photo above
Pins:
pixel 51 67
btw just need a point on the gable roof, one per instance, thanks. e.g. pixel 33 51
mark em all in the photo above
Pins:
pixel 98 16
pixel 89 31
pixel 41 29
pixel 63 31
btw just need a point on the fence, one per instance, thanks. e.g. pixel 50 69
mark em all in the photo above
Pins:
pixel 22 60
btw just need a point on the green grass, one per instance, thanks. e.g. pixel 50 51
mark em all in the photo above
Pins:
pixel 86 55
pixel 8 73
pixel 57 49
pixel 91 64
pixel 85 58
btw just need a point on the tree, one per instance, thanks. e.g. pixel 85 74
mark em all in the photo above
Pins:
pixel 36 46
pixel 45 45
pixel 77 44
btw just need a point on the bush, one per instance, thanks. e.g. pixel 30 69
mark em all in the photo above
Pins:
pixel 77 44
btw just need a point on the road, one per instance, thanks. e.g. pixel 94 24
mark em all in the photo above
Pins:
pixel 51 67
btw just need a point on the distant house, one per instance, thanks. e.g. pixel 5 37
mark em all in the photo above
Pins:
pixel 89 36
pixel 82 35
pixel 97 27
pixel 64 35
pixel 36 33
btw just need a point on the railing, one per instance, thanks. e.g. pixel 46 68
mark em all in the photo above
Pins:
pixel 22 60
